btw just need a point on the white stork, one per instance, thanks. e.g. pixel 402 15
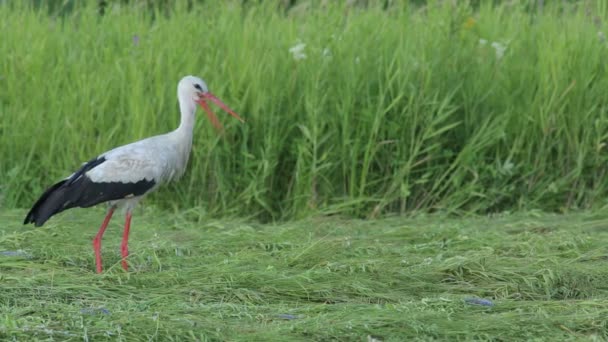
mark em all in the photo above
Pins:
pixel 124 175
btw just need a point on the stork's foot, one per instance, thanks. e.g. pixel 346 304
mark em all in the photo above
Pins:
pixel 124 251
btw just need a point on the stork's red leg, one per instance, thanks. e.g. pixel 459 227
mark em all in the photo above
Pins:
pixel 124 246
pixel 97 239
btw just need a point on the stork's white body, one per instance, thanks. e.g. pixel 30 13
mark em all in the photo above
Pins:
pixel 161 159
pixel 124 175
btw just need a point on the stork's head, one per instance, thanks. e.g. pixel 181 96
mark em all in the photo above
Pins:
pixel 195 89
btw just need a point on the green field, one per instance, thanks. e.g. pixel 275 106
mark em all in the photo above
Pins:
pixel 437 107
pixel 319 279
pixel 424 170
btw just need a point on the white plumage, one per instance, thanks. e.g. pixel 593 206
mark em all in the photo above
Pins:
pixel 124 175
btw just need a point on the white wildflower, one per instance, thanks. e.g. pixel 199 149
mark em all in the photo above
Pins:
pixel 500 49
pixel 507 168
pixel 326 52
pixel 297 51
pixel 483 41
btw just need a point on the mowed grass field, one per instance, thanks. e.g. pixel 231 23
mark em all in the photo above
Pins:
pixel 542 277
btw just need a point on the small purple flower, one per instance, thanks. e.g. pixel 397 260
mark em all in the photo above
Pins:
pixel 479 301
pixel 287 316
pixel 94 311
pixel 135 40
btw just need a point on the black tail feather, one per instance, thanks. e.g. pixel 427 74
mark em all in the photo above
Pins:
pixel 80 191
pixel 50 203
pixel 60 196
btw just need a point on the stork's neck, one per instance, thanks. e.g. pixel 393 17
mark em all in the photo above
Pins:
pixel 187 108
pixel 182 136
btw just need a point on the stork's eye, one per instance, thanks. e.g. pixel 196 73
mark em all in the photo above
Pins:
pixel 198 86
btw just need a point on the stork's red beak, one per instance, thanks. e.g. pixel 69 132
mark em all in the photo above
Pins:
pixel 216 123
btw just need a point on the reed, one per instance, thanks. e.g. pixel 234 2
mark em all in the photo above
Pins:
pixel 440 107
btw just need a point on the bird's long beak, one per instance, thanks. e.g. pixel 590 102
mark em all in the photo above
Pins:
pixel 216 123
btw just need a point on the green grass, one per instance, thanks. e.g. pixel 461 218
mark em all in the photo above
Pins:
pixel 394 109
pixel 194 278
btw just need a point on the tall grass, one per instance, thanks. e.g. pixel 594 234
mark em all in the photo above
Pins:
pixel 392 110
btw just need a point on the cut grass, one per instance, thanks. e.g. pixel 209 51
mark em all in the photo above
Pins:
pixel 316 279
